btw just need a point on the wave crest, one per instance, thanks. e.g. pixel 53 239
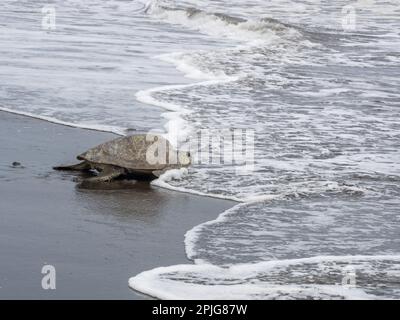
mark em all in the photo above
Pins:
pixel 222 25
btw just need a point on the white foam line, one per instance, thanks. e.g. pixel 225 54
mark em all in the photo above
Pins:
pixel 241 292
pixel 192 234
pixel 145 96
pixel 151 282
pixel 247 200
pixel 115 130
pixel 163 184
pixel 189 71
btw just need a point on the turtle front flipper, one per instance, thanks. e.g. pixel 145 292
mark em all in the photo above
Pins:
pixel 83 166
pixel 106 174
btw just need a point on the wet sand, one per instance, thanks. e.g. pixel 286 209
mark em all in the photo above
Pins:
pixel 96 239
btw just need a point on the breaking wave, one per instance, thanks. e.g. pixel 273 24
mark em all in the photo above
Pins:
pixel 223 25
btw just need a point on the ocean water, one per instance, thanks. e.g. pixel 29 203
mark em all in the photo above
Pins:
pixel 318 83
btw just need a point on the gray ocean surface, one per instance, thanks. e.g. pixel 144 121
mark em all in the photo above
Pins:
pixel 318 82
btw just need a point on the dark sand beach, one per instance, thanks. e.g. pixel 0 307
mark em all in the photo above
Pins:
pixel 96 239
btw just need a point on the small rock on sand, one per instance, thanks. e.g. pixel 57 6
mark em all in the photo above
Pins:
pixel 16 164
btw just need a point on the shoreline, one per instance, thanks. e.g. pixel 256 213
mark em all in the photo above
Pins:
pixel 57 122
pixel 96 239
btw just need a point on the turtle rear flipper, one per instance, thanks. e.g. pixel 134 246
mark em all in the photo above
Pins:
pixel 83 166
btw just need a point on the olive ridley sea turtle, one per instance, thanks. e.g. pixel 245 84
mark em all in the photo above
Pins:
pixel 141 155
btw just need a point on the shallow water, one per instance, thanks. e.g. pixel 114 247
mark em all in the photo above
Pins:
pixel 321 97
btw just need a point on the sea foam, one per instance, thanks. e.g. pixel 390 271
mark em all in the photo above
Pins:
pixel 280 279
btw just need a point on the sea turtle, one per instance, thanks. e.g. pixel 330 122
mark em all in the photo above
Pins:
pixel 140 155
